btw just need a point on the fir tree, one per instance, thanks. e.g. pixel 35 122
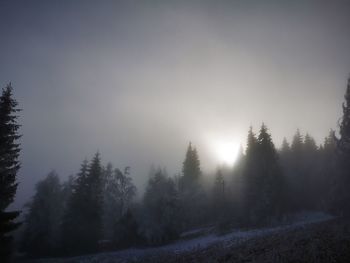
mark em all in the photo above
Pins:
pixel 82 226
pixel 191 170
pixel 296 176
pixel 263 178
pixel 272 181
pixel 250 177
pixel 9 166
pixel 219 198
pixel 42 223
pixel 311 172
pixel 219 186
pixel 191 192
pixel 328 172
pixel 341 196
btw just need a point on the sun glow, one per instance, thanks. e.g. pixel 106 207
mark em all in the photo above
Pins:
pixel 226 151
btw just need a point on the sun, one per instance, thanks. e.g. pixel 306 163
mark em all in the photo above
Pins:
pixel 226 151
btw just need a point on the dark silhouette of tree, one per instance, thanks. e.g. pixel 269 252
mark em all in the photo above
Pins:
pixel 162 211
pixel 191 170
pixel 126 231
pixel 328 172
pixel 341 197
pixel 82 226
pixel 296 176
pixel 9 166
pixel 42 223
pixel 311 171
pixel 219 188
pixel 250 177
pixel 192 195
pixel 118 194
pixel 265 184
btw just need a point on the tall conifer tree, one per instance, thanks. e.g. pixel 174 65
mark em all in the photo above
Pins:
pixel 9 166
pixel 341 196
pixel 83 220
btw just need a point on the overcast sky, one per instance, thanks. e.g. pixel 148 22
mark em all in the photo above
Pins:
pixel 138 80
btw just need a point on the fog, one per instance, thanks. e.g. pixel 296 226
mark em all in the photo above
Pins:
pixel 138 81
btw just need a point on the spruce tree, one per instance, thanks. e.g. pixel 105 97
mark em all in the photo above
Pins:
pixel 42 223
pixel 272 180
pixel 219 194
pixel 328 172
pixel 311 172
pixel 191 170
pixel 250 177
pixel 264 181
pixel 82 226
pixel 341 193
pixel 296 176
pixel 9 166
pixel 191 192
pixel 219 186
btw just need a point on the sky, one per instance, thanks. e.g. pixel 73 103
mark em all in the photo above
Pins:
pixel 138 80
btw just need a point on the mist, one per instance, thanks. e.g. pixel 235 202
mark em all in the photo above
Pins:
pixel 199 122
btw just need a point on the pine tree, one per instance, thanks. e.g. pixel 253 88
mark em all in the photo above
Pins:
pixel 219 197
pixel 9 166
pixel 311 171
pixel 341 196
pixel 264 181
pixel 328 172
pixel 42 223
pixel 272 180
pixel 285 155
pixel 250 177
pixel 191 170
pixel 297 143
pixel 219 186
pixel 296 176
pixel 82 226
pixel 191 192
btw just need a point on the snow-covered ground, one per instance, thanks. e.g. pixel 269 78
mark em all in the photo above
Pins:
pixel 235 237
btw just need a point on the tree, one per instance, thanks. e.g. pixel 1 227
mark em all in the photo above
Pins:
pixel 250 177
pixel 311 170
pixel 219 187
pixel 328 172
pixel 191 193
pixel 295 173
pixel 126 231
pixel 272 180
pixel 264 180
pixel 9 166
pixel 191 170
pixel 42 223
pixel 161 221
pixel 119 192
pixel 220 209
pixel 341 194
pixel 82 226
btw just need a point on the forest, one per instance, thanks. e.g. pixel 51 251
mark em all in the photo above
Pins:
pixel 96 209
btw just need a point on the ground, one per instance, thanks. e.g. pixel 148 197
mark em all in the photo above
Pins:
pixel 314 237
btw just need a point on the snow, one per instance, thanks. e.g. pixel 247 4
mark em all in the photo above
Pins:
pixel 235 237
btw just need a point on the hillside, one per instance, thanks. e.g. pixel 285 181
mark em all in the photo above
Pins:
pixel 314 237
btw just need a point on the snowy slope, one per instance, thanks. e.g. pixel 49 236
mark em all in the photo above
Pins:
pixel 234 238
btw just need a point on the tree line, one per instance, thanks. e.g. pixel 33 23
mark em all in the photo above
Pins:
pixel 96 209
